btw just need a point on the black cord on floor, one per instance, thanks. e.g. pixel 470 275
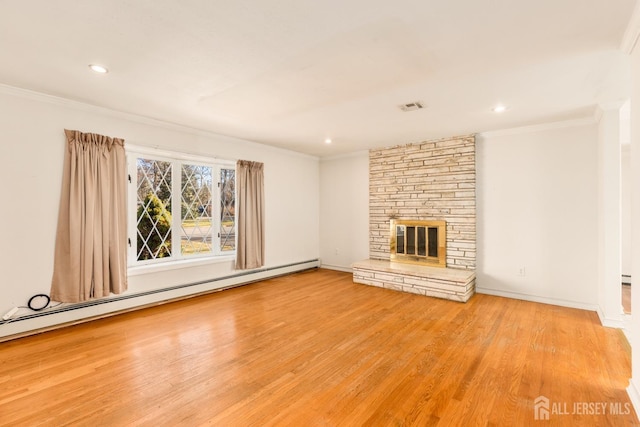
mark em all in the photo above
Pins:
pixel 39 302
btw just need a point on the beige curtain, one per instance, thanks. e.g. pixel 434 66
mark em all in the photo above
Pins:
pixel 250 214
pixel 90 254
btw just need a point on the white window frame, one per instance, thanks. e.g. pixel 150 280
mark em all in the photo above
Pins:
pixel 176 260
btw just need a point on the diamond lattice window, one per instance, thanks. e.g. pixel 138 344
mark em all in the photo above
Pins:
pixel 183 209
pixel 227 210
pixel 196 209
pixel 154 220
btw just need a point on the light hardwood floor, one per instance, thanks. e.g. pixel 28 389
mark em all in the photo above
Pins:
pixel 626 298
pixel 315 349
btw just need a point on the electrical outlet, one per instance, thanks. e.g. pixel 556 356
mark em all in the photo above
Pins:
pixel 522 271
pixel 337 251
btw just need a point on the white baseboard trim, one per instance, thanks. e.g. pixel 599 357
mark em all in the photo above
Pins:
pixel 634 395
pixel 115 304
pixel 609 322
pixel 534 298
pixel 337 268
pixel 627 325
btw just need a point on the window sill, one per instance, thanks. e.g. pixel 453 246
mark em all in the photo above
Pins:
pixel 176 265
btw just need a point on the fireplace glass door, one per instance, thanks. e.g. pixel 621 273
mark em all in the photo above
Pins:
pixel 418 242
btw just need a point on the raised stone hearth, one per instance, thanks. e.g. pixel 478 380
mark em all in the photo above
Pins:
pixel 448 283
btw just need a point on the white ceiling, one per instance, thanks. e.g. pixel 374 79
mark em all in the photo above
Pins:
pixel 291 73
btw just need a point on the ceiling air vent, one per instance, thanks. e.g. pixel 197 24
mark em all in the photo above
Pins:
pixel 412 106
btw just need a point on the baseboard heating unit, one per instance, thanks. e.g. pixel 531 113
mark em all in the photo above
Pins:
pixel 90 310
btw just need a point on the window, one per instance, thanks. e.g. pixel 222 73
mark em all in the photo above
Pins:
pixel 181 207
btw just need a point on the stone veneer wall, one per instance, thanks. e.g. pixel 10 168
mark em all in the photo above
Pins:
pixel 426 180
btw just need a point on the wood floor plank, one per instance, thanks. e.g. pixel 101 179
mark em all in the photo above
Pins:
pixel 315 349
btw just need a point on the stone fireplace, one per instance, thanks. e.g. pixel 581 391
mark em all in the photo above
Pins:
pixel 422 219
pixel 431 180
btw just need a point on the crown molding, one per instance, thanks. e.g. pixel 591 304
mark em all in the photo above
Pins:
pixel 612 105
pixel 608 106
pixel 135 118
pixel 632 33
pixel 540 127
pixel 349 155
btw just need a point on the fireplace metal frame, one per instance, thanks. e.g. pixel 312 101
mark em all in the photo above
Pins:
pixel 435 261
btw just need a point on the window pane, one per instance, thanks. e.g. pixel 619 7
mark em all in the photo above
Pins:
pixel 153 209
pixel 196 210
pixel 227 210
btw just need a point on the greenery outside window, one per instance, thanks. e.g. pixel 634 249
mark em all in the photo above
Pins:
pixel 181 207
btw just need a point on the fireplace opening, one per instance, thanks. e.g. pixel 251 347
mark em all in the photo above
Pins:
pixel 419 242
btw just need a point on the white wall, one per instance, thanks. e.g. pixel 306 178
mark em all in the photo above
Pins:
pixel 537 211
pixel 625 190
pixel 32 131
pixel 609 215
pixel 344 210
pixel 634 322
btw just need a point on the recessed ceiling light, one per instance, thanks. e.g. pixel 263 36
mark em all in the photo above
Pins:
pixel 98 68
pixel 499 108
pixel 327 141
